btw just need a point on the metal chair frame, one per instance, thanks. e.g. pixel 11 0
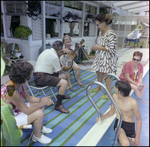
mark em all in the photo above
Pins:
pixel 32 84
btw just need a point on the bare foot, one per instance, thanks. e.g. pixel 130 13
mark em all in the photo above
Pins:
pixel 98 89
pixel 80 84
pixel 71 88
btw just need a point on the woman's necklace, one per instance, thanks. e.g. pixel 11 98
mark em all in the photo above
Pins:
pixel 134 68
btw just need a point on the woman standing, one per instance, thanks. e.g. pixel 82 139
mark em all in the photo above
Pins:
pixel 67 48
pixel 105 50
pixel 15 93
pixel 132 72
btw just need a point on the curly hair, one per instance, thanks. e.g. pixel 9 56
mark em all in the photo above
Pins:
pixel 124 87
pixel 20 72
pixel 107 18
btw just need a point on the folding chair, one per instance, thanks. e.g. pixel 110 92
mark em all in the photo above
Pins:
pixel 134 36
pixel 27 127
pixel 32 84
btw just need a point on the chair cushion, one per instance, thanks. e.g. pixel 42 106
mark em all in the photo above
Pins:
pixel 135 33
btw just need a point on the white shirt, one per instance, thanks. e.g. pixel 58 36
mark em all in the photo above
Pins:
pixel 48 62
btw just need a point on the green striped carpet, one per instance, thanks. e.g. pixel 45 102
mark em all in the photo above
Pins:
pixel 69 129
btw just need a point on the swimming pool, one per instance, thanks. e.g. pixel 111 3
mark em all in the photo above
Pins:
pixel 108 138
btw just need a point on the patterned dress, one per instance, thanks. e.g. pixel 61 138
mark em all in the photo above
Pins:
pixel 105 61
pixel 3 94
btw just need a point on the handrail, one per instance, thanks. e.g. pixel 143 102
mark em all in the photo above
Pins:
pixel 109 74
pixel 112 100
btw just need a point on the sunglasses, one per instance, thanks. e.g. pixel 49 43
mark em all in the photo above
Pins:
pixel 136 59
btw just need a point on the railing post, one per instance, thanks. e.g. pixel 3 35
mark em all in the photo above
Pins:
pixel 112 100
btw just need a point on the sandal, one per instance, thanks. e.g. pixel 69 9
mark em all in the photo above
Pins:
pixel 70 88
pixel 94 90
pixel 104 96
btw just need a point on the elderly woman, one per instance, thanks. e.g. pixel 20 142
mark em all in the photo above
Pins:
pixel 14 92
pixel 67 48
pixel 132 72
pixel 105 50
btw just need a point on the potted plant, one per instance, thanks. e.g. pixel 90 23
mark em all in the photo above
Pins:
pixel 22 32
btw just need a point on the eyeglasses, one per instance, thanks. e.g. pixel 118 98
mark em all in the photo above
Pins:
pixel 66 39
pixel 98 24
pixel 136 59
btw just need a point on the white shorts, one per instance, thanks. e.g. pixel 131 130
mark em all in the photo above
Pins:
pixel 21 118
pixel 74 63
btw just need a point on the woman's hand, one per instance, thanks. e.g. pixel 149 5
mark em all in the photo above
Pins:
pixel 66 50
pixel 93 48
pixel 45 100
pixel 50 102
pixel 140 86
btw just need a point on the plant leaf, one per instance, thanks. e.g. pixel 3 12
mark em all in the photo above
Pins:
pixel 11 134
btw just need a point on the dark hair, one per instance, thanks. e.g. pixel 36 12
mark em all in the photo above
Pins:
pixel 124 87
pixel 20 72
pixel 137 53
pixel 57 45
pixel 107 18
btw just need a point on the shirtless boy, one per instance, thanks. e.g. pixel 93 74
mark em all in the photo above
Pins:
pixel 128 107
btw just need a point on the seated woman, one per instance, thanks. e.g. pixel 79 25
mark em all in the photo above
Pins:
pixel 67 46
pixel 14 92
pixel 132 72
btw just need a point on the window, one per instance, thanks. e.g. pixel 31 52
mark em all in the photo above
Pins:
pixel 53 19
pixel 52 28
pixel 15 16
pixel 72 16
pixel 15 6
pixel 89 21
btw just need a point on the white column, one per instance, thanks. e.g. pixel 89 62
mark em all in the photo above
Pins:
pixel 4 19
pixel 43 26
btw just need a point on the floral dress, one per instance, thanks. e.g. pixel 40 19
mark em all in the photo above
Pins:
pixel 106 61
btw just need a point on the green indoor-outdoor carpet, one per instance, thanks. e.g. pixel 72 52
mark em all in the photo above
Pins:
pixel 69 129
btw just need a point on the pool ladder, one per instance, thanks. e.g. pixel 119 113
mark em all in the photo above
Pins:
pixel 112 100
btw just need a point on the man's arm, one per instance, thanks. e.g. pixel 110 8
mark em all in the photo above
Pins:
pixel 109 113
pixel 139 121
pixel 60 71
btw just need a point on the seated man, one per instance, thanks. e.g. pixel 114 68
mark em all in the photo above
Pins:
pixel 48 73
pixel 128 107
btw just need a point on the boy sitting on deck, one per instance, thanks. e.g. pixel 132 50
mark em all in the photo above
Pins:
pixel 128 107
